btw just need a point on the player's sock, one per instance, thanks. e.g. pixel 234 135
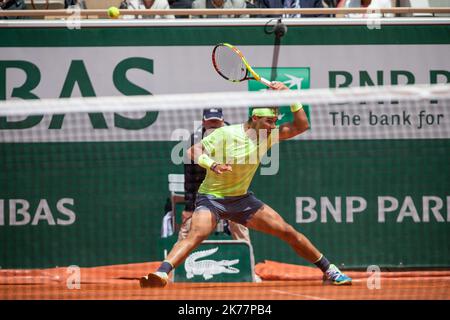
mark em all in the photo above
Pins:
pixel 323 263
pixel 166 267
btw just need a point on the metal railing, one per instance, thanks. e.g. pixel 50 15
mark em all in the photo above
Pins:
pixel 102 13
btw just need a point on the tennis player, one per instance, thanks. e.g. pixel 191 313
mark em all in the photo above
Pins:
pixel 224 192
pixel 194 175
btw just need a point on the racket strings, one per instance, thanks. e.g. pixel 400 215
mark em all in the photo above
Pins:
pixel 230 64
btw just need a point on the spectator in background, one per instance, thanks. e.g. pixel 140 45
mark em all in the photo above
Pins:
pixel 71 3
pixel 369 4
pixel 181 4
pixel 293 4
pixel 219 4
pixel 330 3
pixel 148 4
pixel 353 3
pixel 12 5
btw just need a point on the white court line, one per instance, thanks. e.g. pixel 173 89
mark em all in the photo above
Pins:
pixel 298 295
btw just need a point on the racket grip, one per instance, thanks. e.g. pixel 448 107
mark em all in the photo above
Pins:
pixel 265 82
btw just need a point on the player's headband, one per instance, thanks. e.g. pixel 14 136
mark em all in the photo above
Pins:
pixel 265 112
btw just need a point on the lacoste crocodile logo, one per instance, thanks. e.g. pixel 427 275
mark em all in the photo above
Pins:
pixel 208 268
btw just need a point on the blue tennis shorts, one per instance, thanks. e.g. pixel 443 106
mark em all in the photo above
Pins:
pixel 238 209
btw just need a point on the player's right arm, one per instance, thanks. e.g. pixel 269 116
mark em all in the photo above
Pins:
pixel 195 151
pixel 198 154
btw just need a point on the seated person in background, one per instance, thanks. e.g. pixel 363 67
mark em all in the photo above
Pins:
pixel 369 4
pixel 71 3
pixel 219 4
pixel 330 3
pixel 181 4
pixel 12 5
pixel 148 4
pixel 293 4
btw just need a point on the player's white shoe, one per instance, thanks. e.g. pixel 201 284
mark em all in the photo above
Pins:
pixel 154 280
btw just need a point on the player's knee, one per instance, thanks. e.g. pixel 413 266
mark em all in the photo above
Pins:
pixel 197 236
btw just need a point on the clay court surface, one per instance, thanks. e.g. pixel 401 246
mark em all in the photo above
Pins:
pixel 299 283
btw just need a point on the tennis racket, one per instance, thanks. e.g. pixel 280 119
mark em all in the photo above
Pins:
pixel 231 64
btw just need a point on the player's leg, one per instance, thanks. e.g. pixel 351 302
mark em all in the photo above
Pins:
pixel 269 221
pixel 186 215
pixel 203 223
pixel 238 231
pixel 241 232
pixel 186 219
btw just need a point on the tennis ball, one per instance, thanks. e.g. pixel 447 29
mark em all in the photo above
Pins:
pixel 113 12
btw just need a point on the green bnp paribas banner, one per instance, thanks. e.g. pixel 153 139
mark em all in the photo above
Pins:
pixel 293 78
pixel 92 190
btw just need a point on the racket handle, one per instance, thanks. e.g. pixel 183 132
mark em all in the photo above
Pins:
pixel 265 82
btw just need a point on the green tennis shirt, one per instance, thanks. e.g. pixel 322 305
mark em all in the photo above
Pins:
pixel 231 145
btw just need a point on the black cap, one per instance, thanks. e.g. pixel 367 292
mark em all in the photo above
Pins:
pixel 212 114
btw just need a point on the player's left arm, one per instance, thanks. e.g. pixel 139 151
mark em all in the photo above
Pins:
pixel 300 122
pixel 299 125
